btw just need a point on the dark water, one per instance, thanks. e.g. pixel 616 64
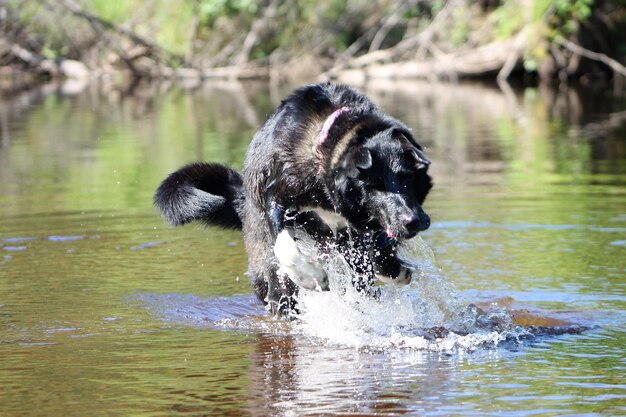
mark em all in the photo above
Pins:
pixel 104 311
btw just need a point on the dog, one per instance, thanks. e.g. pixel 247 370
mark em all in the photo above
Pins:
pixel 329 166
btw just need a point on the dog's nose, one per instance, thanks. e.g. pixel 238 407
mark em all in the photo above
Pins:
pixel 413 226
pixel 417 223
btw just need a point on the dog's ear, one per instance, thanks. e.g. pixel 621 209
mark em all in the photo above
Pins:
pixel 416 158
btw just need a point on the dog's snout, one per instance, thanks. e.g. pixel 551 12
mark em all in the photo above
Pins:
pixel 417 223
pixel 413 225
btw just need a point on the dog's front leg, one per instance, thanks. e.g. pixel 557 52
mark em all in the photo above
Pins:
pixel 281 295
pixel 296 249
pixel 299 261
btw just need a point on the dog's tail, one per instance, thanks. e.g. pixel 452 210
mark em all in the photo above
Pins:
pixel 210 193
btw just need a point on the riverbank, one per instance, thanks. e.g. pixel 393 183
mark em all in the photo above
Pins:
pixel 282 40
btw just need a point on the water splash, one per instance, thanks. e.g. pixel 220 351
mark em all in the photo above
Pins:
pixel 427 314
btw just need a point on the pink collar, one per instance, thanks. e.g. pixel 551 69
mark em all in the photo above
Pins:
pixel 328 123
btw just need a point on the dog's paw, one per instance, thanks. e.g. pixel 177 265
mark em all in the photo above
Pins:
pixel 301 264
pixel 403 277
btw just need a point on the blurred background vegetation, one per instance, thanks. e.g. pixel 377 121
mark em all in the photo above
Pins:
pixel 303 39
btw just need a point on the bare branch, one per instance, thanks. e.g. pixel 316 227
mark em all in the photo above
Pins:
pixel 255 32
pixel 596 56
pixel 94 21
pixel 390 22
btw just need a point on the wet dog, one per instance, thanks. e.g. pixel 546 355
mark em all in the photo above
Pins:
pixel 328 166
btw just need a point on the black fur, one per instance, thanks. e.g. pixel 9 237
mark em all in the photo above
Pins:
pixel 327 150
pixel 210 193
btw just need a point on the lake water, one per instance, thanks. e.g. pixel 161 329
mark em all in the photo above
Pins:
pixel 106 311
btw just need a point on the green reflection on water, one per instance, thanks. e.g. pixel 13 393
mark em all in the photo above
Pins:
pixel 95 152
pixel 530 202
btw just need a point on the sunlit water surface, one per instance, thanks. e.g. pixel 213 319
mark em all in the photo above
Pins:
pixel 104 310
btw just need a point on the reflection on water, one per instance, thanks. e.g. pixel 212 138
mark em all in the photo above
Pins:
pixel 106 311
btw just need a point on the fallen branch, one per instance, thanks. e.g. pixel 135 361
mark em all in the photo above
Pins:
pixel 596 56
pixel 389 23
pixel 94 20
pixel 258 27
pixel 420 41
pixel 490 58
pixel 514 56
pixel 65 67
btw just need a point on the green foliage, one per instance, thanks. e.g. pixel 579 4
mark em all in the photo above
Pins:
pixel 436 6
pixel 211 10
pixel 562 16
pixel 507 19
pixel 212 32
pixel 51 34
pixel 568 14
pixel 531 63
pixel 113 10
pixel 168 22
pixel 51 53
pixel 171 25
pixel 543 22
pixel 540 9
pixel 576 9
pixel 460 30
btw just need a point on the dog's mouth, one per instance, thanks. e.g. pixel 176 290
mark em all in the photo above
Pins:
pixel 385 238
pixel 404 230
pixel 409 235
pixel 402 235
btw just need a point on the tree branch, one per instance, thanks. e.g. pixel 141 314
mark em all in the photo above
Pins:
pixel 94 20
pixel 596 56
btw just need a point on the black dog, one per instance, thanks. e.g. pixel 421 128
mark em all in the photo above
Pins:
pixel 329 165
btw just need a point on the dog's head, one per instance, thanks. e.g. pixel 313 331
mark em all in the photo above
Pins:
pixel 381 183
